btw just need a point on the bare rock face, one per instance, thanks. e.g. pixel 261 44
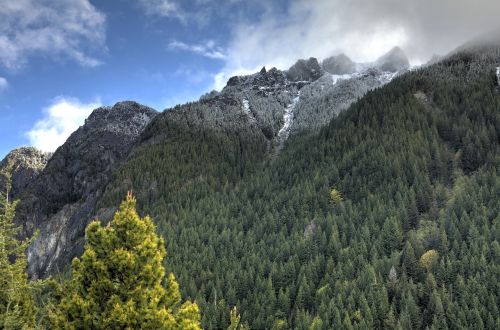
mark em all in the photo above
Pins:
pixel 61 201
pixel 305 70
pixel 27 163
pixel 395 60
pixel 339 65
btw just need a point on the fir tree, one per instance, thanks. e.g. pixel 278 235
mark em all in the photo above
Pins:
pixel 17 308
pixel 117 283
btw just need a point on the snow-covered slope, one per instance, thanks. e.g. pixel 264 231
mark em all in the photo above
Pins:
pixel 269 98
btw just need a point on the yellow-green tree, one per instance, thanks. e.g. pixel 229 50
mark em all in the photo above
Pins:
pixel 335 196
pixel 235 319
pixel 17 308
pixel 118 282
pixel 429 259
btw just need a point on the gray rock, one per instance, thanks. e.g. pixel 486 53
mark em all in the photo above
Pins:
pixel 27 163
pixel 395 60
pixel 340 64
pixel 305 70
pixel 61 201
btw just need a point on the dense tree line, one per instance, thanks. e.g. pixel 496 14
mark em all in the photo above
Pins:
pixel 412 242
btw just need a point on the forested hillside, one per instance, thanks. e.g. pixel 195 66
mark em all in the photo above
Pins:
pixel 409 241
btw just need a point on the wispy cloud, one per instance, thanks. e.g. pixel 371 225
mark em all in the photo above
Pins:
pixel 3 84
pixel 50 27
pixel 163 8
pixel 61 118
pixel 208 49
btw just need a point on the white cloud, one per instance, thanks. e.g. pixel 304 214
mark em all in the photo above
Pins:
pixel 3 84
pixel 50 27
pixel 361 29
pixel 208 49
pixel 61 118
pixel 163 8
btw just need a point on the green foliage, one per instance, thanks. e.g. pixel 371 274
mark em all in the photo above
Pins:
pixel 117 283
pixel 263 235
pixel 17 307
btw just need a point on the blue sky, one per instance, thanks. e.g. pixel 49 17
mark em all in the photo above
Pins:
pixel 59 59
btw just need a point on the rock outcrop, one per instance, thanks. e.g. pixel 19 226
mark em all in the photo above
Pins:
pixel 395 60
pixel 61 201
pixel 305 70
pixel 27 163
pixel 339 65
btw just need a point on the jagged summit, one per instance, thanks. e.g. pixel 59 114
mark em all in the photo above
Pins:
pixel 395 60
pixel 126 117
pixel 61 200
pixel 305 70
pixel 269 78
pixel 339 65
pixel 27 163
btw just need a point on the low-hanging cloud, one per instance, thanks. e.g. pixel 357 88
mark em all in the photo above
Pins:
pixel 55 27
pixel 61 118
pixel 363 30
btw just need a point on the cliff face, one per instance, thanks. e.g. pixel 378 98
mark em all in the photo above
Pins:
pixel 26 164
pixel 61 200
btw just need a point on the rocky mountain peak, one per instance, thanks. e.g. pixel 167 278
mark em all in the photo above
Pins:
pixel 27 163
pixel 272 78
pixel 395 60
pixel 305 70
pixel 127 117
pixel 339 65
pixel 62 199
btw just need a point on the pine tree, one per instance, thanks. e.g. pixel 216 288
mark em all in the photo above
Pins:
pixel 410 264
pixel 117 283
pixel 17 308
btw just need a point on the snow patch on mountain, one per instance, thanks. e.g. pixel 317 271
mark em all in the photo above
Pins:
pixel 498 75
pixel 284 132
pixel 339 77
pixel 246 110
pixel 387 77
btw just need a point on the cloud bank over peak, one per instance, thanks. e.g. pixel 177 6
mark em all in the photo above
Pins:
pixel 73 29
pixel 61 118
pixel 363 30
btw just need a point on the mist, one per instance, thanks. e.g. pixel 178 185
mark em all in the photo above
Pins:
pixel 363 30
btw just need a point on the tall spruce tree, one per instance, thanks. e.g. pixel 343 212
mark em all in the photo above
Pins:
pixel 118 283
pixel 17 308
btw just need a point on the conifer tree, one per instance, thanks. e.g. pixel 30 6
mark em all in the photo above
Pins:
pixel 17 308
pixel 117 283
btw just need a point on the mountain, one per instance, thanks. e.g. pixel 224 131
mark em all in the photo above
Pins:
pixel 394 60
pixel 265 108
pixel 339 65
pixel 61 199
pixel 240 185
pixel 305 70
pixel 27 163
pixel 416 162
